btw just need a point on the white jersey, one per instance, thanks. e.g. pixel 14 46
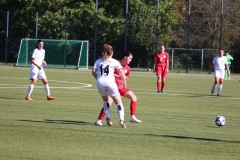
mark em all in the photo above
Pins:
pixel 39 56
pixel 105 71
pixel 220 62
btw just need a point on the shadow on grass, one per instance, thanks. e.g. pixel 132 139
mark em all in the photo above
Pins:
pixel 7 98
pixel 58 121
pixel 194 138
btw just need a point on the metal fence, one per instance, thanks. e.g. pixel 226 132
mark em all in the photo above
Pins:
pixel 198 59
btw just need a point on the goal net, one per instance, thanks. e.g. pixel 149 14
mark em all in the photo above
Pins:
pixel 58 53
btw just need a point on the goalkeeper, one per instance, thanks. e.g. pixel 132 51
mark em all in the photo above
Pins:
pixel 229 59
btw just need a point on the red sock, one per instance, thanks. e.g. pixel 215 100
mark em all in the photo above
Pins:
pixel 158 86
pixel 163 84
pixel 101 115
pixel 133 107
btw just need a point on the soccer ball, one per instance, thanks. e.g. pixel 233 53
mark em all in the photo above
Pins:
pixel 220 121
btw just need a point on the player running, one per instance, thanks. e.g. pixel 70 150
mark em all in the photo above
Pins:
pixel 161 65
pixel 103 72
pixel 126 58
pixel 219 63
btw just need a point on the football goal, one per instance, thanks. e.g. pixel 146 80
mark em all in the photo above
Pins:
pixel 58 53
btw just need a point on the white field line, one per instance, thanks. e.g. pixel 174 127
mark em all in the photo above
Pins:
pixel 85 86
pixel 80 85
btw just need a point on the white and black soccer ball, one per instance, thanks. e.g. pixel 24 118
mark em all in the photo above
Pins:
pixel 220 121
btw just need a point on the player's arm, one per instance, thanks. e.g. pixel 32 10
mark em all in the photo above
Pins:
pixel 33 62
pixel 123 79
pixel 44 62
pixel 94 73
pixel 154 66
pixel 226 66
pixel 168 63
pixel 210 69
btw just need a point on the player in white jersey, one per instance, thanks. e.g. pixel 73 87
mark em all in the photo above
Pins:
pixel 103 72
pixel 37 72
pixel 219 63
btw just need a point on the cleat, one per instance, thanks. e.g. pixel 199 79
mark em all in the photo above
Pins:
pixel 218 94
pixel 50 98
pixel 162 91
pixel 98 123
pixel 109 122
pixel 28 98
pixel 212 92
pixel 133 119
pixel 122 124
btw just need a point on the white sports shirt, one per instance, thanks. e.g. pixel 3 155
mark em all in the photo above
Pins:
pixel 105 71
pixel 38 56
pixel 220 62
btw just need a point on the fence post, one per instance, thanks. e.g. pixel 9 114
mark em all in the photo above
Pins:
pixel 6 47
pixel 172 58
pixel 95 31
pixel 126 28
pixel 36 24
pixel 202 61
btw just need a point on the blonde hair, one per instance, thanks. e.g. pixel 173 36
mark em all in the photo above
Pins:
pixel 106 51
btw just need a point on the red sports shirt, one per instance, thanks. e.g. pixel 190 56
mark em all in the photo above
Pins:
pixel 118 80
pixel 161 59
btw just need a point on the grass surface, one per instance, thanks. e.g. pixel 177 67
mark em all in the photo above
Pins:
pixel 177 125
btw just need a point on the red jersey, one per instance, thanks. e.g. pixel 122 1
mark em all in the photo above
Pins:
pixel 161 59
pixel 118 80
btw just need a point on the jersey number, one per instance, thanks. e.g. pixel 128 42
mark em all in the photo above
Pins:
pixel 104 70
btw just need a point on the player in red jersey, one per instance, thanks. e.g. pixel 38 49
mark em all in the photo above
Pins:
pixel 126 58
pixel 161 64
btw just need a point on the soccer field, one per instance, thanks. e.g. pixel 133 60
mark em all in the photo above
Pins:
pixel 177 125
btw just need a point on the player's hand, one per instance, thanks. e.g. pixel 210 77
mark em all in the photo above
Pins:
pixel 45 63
pixel 39 67
pixel 209 72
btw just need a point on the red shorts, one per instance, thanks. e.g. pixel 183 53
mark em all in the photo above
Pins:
pixel 162 70
pixel 123 91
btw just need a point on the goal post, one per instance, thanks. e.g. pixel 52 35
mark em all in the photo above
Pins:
pixel 58 53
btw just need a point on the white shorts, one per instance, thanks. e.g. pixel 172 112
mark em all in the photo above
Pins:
pixel 110 90
pixel 37 74
pixel 219 73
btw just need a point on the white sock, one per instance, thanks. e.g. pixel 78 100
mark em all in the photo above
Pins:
pixel 46 86
pixel 220 88
pixel 106 109
pixel 120 110
pixel 214 86
pixel 30 89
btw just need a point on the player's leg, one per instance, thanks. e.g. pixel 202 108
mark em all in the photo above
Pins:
pixel 113 92
pixel 102 113
pixel 30 89
pixel 216 79
pixel 158 74
pixel 220 80
pixel 133 105
pixel 159 83
pixel 33 78
pixel 229 65
pixel 164 75
pixel 43 77
pixel 104 94
pixel 120 109
pixel 225 74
